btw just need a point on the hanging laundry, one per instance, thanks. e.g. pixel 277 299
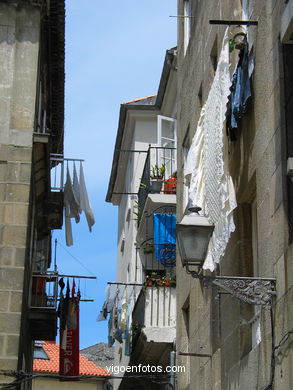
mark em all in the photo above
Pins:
pixel 71 208
pixel 84 200
pixel 111 339
pixel 219 194
pixel 123 317
pixel 165 238
pixel 240 92
pixel 194 167
pixel 76 188
pixel 122 298
pixel 207 172
pixel 103 313
pixel 118 335
pixel 127 335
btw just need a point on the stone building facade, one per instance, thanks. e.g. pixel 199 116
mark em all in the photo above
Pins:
pixel 31 128
pixel 229 344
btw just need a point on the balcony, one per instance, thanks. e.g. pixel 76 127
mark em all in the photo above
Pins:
pixel 43 306
pixel 159 178
pixel 57 182
pixel 154 325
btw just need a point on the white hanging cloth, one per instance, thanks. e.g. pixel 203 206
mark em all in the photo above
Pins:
pixel 211 186
pixel 71 208
pixel 84 200
pixel 76 188
pixel 124 306
pixel 194 168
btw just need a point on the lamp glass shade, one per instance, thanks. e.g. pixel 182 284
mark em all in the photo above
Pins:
pixel 193 236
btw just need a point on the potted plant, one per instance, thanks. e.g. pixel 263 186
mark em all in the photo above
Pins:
pixel 173 280
pixel 148 247
pixel 157 175
pixel 158 172
pixel 152 279
pixel 148 281
pixel 171 184
pixel 155 275
pixel 167 281
pixel 161 282
pixel 137 211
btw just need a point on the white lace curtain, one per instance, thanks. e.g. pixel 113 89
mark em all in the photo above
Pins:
pixel 211 186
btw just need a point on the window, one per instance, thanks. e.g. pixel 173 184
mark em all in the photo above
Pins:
pixel 186 146
pixel 39 352
pixel 185 334
pixel 167 140
pixel 250 314
pixel 42 254
pixel 214 57
pixel 246 9
pixel 187 14
pixel 255 323
pixel 200 96
pixel 288 106
pixel 41 120
pixel 122 245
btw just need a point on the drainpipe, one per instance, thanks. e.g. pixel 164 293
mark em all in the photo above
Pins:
pixel 172 379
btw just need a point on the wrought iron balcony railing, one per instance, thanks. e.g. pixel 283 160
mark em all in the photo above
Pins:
pixel 159 174
pixel 44 291
pixel 58 174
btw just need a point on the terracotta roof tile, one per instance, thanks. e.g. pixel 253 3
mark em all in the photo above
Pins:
pixel 140 99
pixel 52 364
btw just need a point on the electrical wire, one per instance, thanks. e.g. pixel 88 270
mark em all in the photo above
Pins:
pixel 24 377
pixel 284 339
pixel 76 259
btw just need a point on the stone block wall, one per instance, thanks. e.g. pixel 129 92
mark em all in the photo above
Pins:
pixel 19 49
pixel 257 162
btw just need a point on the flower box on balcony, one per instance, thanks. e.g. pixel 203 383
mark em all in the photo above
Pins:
pixel 160 281
pixel 170 185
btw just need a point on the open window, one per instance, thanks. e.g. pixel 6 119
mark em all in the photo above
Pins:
pixel 167 141
pixel 187 15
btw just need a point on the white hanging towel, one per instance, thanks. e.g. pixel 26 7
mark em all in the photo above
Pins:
pixel 71 208
pixel 76 188
pixel 84 200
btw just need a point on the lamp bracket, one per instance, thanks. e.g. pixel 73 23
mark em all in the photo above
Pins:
pixel 252 290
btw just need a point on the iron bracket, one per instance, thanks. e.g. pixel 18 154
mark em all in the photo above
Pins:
pixel 252 290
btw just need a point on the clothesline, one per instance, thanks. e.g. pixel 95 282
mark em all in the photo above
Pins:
pixel 126 284
pixel 76 201
pixel 117 308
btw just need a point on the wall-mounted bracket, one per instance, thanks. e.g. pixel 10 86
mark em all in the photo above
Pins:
pixel 235 22
pixel 252 290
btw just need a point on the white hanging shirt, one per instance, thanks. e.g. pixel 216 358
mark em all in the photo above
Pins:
pixel 71 208
pixel 84 200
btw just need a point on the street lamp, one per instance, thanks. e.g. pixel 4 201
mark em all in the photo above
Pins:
pixel 193 234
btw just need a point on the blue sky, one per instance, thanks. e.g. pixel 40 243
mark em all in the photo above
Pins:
pixel 114 53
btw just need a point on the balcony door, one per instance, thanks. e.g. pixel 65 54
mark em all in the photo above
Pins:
pixel 167 141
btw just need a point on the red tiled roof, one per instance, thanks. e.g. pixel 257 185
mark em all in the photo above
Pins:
pixel 51 365
pixel 137 100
